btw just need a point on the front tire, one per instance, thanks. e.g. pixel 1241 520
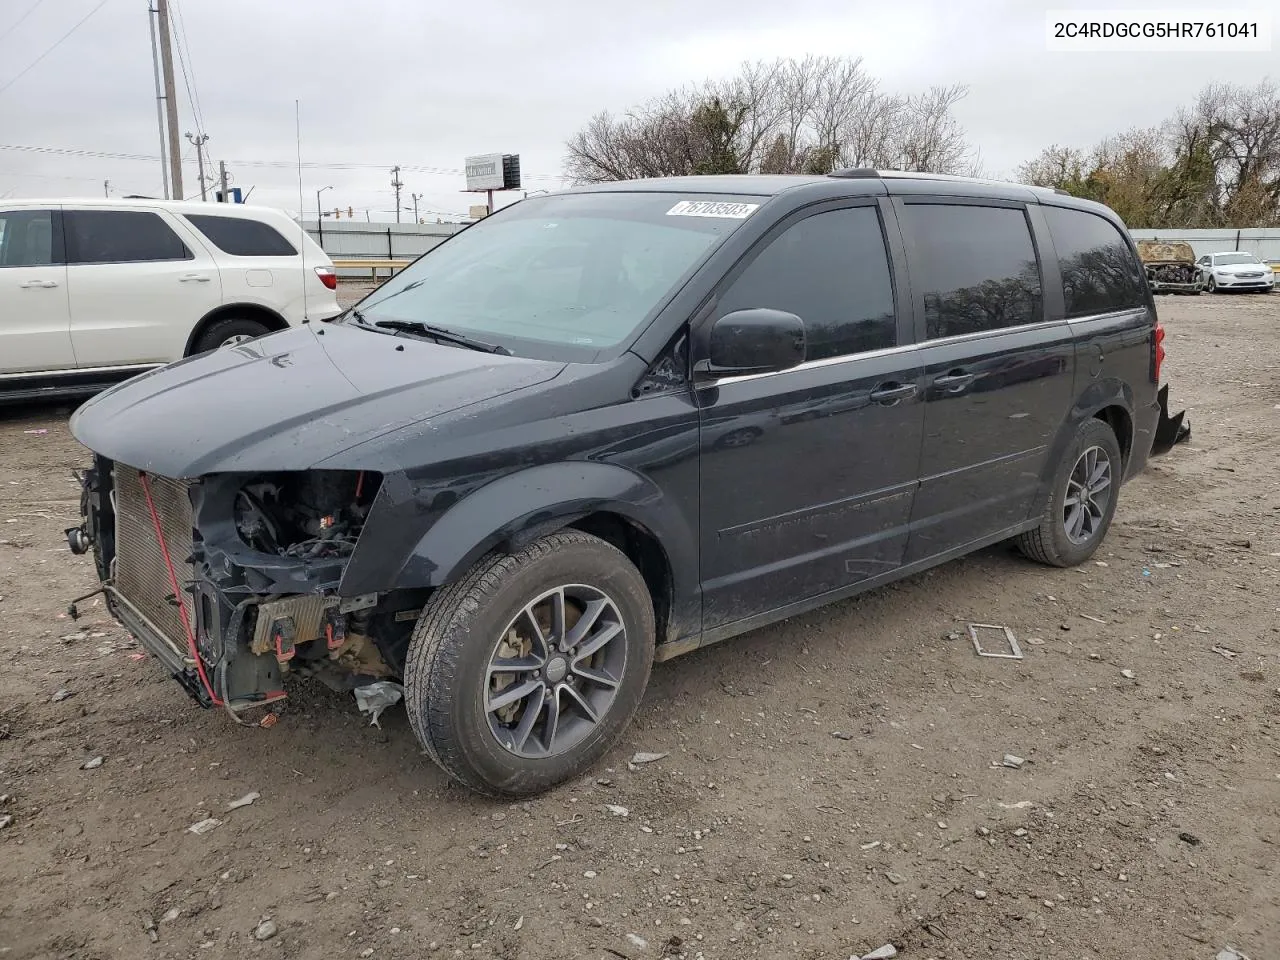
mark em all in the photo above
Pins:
pixel 742 437
pixel 1081 500
pixel 524 672
pixel 1211 285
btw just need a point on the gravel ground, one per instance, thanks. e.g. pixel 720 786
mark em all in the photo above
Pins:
pixel 830 785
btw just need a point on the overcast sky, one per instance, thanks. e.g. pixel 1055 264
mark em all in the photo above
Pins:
pixel 422 84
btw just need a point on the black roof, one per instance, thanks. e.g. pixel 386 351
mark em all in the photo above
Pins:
pixel 743 184
pixel 849 182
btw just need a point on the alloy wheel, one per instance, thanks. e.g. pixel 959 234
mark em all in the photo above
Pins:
pixel 1088 495
pixel 555 671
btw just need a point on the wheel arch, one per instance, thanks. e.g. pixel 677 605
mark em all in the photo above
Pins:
pixel 249 311
pixel 1120 420
pixel 1110 401
pixel 621 507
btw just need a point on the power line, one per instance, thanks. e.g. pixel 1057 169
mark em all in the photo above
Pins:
pixel 17 23
pixel 43 176
pixel 193 88
pixel 284 164
pixel 57 43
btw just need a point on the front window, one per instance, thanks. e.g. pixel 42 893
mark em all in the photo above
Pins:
pixel 1231 259
pixel 568 277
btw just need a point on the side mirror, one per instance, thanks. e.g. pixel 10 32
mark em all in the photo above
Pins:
pixel 752 341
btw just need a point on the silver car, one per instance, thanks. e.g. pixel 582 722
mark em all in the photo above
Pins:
pixel 1235 271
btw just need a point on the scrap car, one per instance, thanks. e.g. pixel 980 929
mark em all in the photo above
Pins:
pixel 1170 266
pixel 512 491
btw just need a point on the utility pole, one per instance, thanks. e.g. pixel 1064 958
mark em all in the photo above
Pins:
pixel 396 185
pixel 416 197
pixel 170 97
pixel 155 69
pixel 222 180
pixel 199 141
pixel 320 214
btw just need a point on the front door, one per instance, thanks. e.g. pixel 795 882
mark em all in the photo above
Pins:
pixel 138 287
pixel 998 376
pixel 35 322
pixel 807 476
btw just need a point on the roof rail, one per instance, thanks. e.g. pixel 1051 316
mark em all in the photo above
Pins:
pixel 855 173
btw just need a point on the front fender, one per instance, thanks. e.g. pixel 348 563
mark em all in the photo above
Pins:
pixel 536 500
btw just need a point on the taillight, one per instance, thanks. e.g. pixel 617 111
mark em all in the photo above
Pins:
pixel 328 277
pixel 1159 352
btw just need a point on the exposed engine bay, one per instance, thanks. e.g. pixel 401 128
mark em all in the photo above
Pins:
pixel 1170 266
pixel 1165 274
pixel 308 515
pixel 232 580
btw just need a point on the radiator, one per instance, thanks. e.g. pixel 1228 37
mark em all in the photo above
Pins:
pixel 140 572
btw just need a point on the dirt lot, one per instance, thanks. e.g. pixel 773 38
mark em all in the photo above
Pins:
pixel 1145 822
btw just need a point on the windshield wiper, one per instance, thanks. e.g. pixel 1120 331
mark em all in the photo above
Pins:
pixel 439 333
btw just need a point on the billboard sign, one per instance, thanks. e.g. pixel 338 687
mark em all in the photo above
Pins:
pixel 485 172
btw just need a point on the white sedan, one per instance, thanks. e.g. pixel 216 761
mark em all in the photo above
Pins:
pixel 1235 271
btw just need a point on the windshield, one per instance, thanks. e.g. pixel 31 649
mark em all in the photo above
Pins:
pixel 1227 259
pixel 568 276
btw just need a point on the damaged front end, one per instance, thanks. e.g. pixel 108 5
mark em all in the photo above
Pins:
pixel 1170 266
pixel 231 580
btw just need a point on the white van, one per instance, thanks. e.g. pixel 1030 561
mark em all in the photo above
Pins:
pixel 93 291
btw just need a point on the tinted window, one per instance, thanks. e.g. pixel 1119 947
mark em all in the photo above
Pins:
pixel 832 271
pixel 1099 271
pixel 243 238
pixel 977 267
pixel 26 238
pixel 120 236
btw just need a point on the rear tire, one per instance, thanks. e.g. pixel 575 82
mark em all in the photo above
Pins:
pixel 474 650
pixel 228 332
pixel 1070 530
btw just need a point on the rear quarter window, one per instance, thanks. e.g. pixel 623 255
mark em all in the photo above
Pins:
pixel 242 238
pixel 1099 271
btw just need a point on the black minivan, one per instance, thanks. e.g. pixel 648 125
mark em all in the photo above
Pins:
pixel 608 426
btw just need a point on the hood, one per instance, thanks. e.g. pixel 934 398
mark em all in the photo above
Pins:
pixel 1165 251
pixel 1231 269
pixel 290 400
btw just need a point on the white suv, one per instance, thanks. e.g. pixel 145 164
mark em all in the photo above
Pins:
pixel 92 291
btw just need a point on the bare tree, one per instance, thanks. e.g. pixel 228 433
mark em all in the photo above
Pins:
pixel 931 139
pixel 786 116
pixel 1214 163
pixel 1054 166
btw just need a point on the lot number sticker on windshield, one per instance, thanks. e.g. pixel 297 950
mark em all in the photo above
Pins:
pixel 713 208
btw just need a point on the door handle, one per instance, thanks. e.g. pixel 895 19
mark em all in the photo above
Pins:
pixel 38 284
pixel 954 381
pixel 196 277
pixel 890 393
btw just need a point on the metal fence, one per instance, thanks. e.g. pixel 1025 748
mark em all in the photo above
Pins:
pixel 352 240
pixel 1262 242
